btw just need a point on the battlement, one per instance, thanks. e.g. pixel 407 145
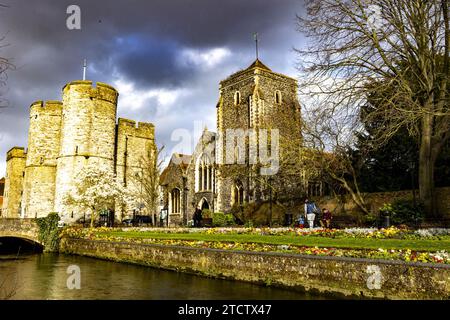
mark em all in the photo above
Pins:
pixel 47 106
pixel 15 152
pixel 87 89
pixel 142 129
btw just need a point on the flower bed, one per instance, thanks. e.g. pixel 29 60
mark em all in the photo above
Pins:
pixel 388 233
pixel 441 256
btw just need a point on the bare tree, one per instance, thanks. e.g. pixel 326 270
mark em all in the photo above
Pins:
pixel 146 181
pixel 360 47
pixel 5 66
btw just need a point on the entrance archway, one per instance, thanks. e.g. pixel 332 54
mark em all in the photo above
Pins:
pixel 203 204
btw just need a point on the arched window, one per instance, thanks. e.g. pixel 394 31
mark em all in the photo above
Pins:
pixel 237 98
pixel 204 174
pixel 278 98
pixel 175 201
pixel 238 193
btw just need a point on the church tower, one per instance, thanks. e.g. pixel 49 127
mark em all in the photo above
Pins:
pixel 254 102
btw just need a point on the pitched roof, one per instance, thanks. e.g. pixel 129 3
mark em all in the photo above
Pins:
pixel 178 159
pixel 258 64
pixel 183 160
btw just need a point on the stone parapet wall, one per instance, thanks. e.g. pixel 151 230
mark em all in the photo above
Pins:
pixel 22 228
pixel 378 199
pixel 346 276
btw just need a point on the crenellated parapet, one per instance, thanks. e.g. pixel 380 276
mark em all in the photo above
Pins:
pixel 16 152
pixel 137 129
pixel 85 88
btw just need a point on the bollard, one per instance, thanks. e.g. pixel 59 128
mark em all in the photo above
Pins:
pixel 387 221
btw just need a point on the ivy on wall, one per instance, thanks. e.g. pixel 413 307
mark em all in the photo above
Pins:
pixel 49 232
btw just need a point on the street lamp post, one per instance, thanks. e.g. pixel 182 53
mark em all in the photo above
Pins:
pixel 185 190
pixel 270 200
pixel 412 165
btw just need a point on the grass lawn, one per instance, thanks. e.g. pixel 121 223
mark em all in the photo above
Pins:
pixel 310 241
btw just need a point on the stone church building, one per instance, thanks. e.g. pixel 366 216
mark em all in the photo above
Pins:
pixel 66 136
pixel 258 112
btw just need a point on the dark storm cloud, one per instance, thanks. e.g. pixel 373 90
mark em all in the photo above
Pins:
pixel 150 45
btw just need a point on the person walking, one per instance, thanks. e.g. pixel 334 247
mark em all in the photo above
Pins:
pixel 197 217
pixel 310 212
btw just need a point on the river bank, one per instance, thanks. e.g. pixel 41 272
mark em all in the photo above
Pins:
pixel 351 277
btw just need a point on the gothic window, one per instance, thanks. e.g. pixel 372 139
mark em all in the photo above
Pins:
pixel 237 98
pixel 175 200
pixel 238 193
pixel 278 99
pixel 205 174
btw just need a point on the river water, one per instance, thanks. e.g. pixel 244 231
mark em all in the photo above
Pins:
pixel 44 276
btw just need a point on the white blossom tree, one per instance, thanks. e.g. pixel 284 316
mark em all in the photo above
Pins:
pixel 98 189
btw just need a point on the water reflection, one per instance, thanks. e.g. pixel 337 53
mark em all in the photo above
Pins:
pixel 44 276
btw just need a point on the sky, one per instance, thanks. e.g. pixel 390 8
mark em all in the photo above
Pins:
pixel 165 57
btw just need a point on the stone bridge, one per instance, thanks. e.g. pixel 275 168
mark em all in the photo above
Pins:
pixel 26 229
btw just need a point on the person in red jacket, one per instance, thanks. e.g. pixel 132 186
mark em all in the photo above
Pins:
pixel 326 218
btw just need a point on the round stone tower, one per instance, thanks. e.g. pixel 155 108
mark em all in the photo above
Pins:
pixel 87 137
pixel 43 149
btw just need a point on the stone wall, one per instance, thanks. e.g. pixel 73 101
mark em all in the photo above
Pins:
pixel 347 276
pixel 15 171
pixel 135 156
pixel 44 136
pixel 377 200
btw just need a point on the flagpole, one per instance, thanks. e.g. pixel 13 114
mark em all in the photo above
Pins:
pixel 256 41
pixel 84 69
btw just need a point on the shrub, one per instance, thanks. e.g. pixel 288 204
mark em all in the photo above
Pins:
pixel 249 224
pixel 206 214
pixel 49 232
pixel 404 212
pixel 221 219
pixel 370 220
